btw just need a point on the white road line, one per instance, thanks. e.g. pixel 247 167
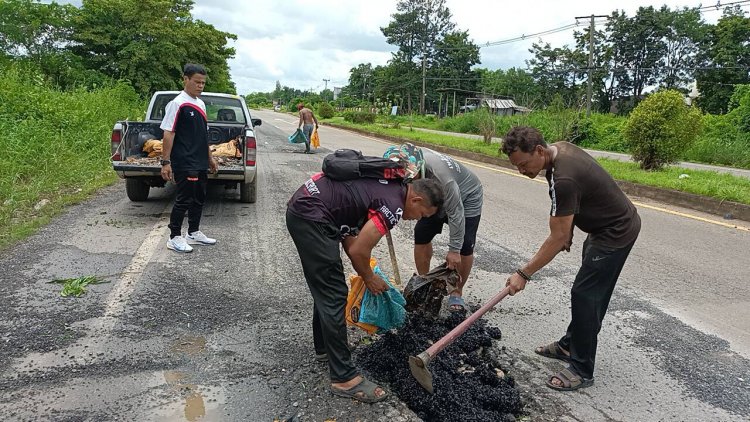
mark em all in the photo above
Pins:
pixel 120 294
pixel 284 121
pixel 88 348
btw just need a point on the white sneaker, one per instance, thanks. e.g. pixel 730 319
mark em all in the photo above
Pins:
pixel 196 238
pixel 178 244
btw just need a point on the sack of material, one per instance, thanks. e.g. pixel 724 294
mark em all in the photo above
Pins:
pixel 348 164
pixel 153 147
pixel 315 139
pixel 227 149
pixel 297 137
pixel 425 292
pixel 386 310
pixel 354 304
pixel 374 313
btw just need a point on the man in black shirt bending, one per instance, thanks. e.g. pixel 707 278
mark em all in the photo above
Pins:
pixel 324 213
pixel 584 195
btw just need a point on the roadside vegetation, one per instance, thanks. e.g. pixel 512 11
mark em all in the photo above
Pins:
pixel 54 147
pixel 65 82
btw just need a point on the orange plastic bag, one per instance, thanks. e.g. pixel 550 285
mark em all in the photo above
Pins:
pixel 315 139
pixel 354 301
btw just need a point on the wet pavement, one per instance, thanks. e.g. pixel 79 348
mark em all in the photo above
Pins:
pixel 223 334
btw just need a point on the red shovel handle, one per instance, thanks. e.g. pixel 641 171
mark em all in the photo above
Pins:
pixel 460 328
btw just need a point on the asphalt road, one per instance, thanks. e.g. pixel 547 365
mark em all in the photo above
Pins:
pixel 223 333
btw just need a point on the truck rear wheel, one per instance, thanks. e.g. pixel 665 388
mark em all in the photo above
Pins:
pixel 248 191
pixel 137 190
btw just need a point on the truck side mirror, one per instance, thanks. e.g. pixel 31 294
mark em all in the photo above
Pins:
pixel 256 122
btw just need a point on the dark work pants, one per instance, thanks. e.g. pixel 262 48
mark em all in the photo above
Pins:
pixel 589 298
pixel 191 193
pixel 318 246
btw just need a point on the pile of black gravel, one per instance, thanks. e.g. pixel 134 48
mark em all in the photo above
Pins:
pixel 469 383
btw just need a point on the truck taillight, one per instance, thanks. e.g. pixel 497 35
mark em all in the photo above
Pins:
pixel 250 150
pixel 115 140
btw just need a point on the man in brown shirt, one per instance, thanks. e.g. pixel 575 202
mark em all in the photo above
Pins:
pixel 584 195
pixel 306 120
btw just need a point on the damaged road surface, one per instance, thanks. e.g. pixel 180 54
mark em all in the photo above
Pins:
pixel 224 333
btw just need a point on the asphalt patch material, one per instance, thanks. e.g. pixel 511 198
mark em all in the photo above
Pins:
pixel 469 380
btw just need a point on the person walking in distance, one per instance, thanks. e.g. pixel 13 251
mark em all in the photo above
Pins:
pixel 186 158
pixel 584 195
pixel 307 121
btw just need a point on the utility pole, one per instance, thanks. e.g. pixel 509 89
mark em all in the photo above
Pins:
pixel 589 84
pixel 326 82
pixel 424 74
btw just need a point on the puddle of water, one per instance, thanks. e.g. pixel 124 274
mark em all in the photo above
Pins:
pixel 189 345
pixel 195 404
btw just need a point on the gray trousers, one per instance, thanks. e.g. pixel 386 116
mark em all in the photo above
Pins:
pixel 307 130
pixel 318 245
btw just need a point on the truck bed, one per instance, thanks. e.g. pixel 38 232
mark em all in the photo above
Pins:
pixel 135 161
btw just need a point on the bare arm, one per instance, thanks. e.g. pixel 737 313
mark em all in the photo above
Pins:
pixel 168 141
pixel 359 251
pixel 166 151
pixel 300 120
pixel 559 239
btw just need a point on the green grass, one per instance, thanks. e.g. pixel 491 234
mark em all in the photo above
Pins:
pixel 700 182
pixel 54 147
pixel 77 286
pixel 707 183
pixel 457 142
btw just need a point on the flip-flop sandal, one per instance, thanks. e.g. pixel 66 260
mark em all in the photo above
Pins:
pixel 456 301
pixel 553 351
pixel 570 381
pixel 321 357
pixel 366 387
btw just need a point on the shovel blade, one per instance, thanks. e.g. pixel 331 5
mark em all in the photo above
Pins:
pixel 421 373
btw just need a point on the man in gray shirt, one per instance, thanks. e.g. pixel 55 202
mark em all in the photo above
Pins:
pixel 461 210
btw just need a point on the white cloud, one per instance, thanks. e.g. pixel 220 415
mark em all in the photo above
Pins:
pixel 302 42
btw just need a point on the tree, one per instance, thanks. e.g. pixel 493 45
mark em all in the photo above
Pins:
pixel 148 42
pixel 361 81
pixel 416 28
pixel 640 46
pixel 455 55
pixel 557 71
pixel 31 29
pixel 514 83
pixel 725 60
pixel 660 128
pixel 684 31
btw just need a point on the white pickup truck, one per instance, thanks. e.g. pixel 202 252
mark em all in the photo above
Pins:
pixel 228 119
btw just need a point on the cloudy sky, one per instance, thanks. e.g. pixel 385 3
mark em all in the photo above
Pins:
pixel 302 42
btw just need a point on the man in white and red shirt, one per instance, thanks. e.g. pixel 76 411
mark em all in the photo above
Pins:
pixel 186 158
pixel 356 213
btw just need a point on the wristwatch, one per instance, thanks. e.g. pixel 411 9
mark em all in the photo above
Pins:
pixel 165 162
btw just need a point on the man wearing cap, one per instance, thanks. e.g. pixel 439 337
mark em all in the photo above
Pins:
pixel 461 210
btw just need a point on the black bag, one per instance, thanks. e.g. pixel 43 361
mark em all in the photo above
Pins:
pixel 348 164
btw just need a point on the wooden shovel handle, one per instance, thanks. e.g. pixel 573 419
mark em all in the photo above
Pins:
pixel 462 327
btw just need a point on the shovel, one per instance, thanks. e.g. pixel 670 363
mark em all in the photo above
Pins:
pixel 419 364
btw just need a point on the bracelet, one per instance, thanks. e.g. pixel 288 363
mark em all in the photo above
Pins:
pixel 523 275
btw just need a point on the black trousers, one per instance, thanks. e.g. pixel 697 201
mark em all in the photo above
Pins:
pixel 589 299
pixel 318 245
pixel 191 194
